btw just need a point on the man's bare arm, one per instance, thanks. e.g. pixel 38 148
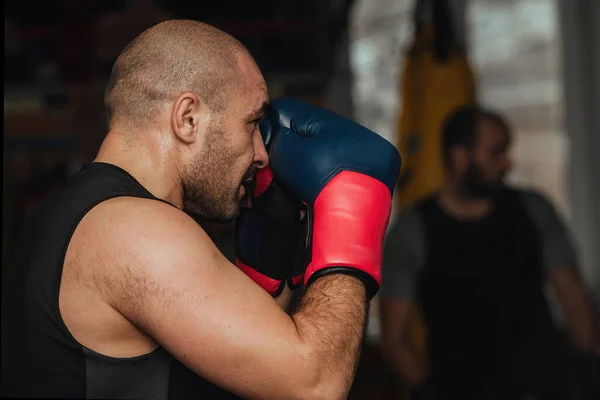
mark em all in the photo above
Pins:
pixel 395 344
pixel 580 317
pixel 332 318
pixel 170 280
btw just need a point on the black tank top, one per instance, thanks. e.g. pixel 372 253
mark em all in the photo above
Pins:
pixel 40 358
pixel 481 293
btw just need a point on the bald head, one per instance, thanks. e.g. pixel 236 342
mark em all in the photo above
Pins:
pixel 166 60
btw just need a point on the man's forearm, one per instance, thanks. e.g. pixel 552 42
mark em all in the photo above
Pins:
pixel 580 320
pixel 405 363
pixel 330 320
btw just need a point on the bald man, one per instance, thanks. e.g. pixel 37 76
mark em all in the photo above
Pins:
pixel 119 293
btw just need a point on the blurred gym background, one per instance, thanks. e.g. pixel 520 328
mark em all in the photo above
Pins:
pixel 535 61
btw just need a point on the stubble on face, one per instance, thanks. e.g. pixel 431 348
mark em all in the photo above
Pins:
pixel 477 185
pixel 210 191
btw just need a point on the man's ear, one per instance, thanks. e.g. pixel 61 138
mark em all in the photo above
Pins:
pixel 190 117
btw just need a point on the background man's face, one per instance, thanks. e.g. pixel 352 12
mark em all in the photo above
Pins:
pixel 489 160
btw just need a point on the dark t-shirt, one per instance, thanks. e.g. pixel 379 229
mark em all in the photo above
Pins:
pixel 480 286
pixel 40 357
pixel 405 249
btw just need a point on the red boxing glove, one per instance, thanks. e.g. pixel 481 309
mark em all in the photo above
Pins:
pixel 350 218
pixel 346 175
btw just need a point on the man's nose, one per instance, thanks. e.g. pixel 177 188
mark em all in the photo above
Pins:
pixel 261 158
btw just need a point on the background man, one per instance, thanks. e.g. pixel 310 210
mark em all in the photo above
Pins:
pixel 474 257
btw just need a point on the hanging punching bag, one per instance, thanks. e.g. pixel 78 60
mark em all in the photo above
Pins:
pixel 436 79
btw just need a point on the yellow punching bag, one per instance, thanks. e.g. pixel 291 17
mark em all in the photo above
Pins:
pixel 436 79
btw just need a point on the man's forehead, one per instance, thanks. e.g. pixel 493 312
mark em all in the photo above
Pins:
pixel 254 86
pixel 250 70
pixel 259 106
pixel 490 130
pixel 259 89
pixel 264 95
pixel 259 95
pixel 256 91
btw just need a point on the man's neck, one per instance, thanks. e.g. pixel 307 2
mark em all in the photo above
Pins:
pixel 460 205
pixel 149 163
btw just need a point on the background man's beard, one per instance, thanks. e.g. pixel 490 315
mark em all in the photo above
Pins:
pixel 475 184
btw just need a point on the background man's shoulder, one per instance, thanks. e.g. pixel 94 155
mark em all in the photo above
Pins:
pixel 531 194
pixel 536 202
pixel 405 221
pixel 558 249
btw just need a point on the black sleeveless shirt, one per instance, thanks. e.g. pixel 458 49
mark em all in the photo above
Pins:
pixel 40 358
pixel 481 293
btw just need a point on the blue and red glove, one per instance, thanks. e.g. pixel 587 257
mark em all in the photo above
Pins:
pixel 345 174
pixel 270 237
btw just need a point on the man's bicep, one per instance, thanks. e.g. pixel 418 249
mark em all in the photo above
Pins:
pixel 208 314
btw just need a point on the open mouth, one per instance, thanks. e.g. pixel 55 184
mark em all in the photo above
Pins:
pixel 248 190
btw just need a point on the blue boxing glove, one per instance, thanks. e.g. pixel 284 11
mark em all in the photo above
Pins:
pixel 345 174
pixel 270 236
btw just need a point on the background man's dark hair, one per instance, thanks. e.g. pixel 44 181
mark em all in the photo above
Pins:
pixel 460 128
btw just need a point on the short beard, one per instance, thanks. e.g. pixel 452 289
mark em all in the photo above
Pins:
pixel 476 186
pixel 208 192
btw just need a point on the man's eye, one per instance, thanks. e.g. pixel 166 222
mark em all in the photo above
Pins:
pixel 256 122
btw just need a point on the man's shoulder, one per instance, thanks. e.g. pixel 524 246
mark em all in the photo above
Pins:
pixel 525 192
pixel 538 207
pixel 412 214
pixel 139 211
pixel 534 200
pixel 407 221
pixel 407 217
pixel 135 240
pixel 139 227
